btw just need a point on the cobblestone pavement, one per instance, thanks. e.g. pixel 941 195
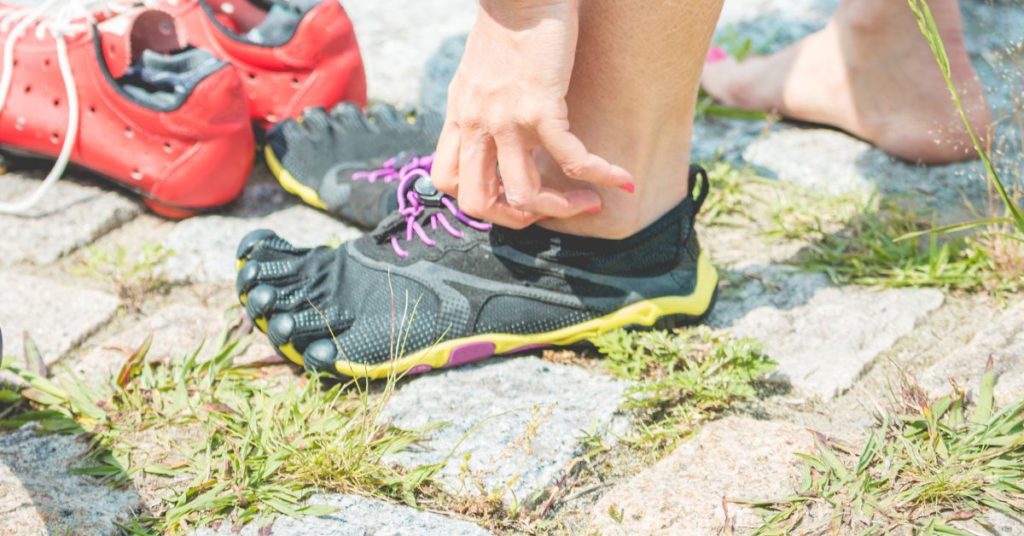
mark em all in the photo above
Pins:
pixel 830 340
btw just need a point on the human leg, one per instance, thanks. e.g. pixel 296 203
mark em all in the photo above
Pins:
pixel 871 73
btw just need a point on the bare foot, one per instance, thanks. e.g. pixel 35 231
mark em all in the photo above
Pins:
pixel 870 73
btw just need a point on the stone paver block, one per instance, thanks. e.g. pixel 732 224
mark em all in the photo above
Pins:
pixel 38 495
pixel 58 317
pixel 204 247
pixel 830 161
pixel 822 336
pixel 518 421
pixel 395 48
pixel 70 216
pixel 993 524
pixel 736 458
pixel 1003 343
pixel 359 516
pixel 177 330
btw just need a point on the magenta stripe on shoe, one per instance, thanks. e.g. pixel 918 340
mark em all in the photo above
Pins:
pixel 420 369
pixel 470 353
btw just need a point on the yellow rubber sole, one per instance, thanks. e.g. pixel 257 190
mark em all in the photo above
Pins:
pixel 289 183
pixel 645 313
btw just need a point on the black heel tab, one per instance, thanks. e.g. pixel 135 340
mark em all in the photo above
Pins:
pixel 695 173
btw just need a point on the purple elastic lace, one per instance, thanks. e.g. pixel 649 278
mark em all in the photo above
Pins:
pixel 411 207
pixel 391 171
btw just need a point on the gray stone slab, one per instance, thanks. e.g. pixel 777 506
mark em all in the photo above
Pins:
pixel 833 162
pixel 736 458
pixel 359 516
pixel 58 317
pixel 513 422
pixel 398 36
pixel 70 216
pixel 993 524
pixel 823 336
pixel 1002 342
pixel 38 495
pixel 204 247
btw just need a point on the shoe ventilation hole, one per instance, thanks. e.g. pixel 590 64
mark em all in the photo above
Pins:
pixel 129 133
pixel 252 76
pixel 28 89
pixel 15 63
pixel 46 63
pixel 92 109
pixel 56 103
pixel 136 174
pixel 295 81
pixel 54 137
pixel 168 148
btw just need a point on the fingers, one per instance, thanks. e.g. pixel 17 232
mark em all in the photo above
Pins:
pixel 578 163
pixel 482 196
pixel 445 170
pixel 524 190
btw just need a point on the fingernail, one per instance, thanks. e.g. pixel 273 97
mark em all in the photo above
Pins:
pixel 593 210
pixel 628 187
pixel 716 54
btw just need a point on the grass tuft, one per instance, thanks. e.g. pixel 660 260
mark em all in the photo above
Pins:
pixel 682 378
pixel 925 467
pixel 134 274
pixel 889 247
pixel 218 442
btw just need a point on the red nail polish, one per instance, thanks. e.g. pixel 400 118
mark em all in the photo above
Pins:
pixel 716 54
pixel 628 187
pixel 593 210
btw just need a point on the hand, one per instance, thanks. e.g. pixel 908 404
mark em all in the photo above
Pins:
pixel 508 100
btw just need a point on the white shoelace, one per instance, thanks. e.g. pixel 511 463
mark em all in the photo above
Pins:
pixel 61 19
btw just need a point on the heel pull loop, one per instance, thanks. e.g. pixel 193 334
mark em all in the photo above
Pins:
pixel 699 172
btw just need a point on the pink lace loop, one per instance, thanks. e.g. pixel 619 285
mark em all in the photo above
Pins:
pixel 412 208
pixel 390 171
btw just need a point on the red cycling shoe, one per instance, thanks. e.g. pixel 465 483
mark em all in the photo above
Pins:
pixel 120 99
pixel 292 54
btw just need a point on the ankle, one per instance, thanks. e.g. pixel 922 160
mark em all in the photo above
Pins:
pixel 662 183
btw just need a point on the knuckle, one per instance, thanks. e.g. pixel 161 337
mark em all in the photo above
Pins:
pixel 573 167
pixel 520 198
pixel 470 122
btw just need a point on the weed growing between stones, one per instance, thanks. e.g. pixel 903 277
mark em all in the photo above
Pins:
pixel 683 378
pixel 730 195
pixel 885 248
pixel 861 239
pixel 925 467
pixel 134 274
pixel 216 442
